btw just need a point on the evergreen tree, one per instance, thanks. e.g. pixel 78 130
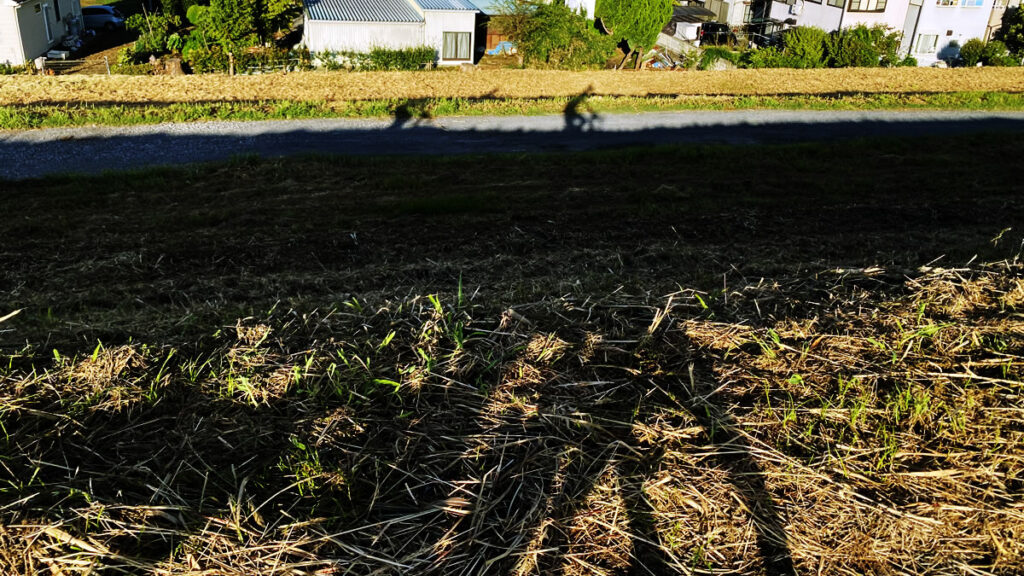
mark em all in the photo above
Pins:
pixel 638 22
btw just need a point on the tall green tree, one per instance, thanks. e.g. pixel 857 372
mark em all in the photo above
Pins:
pixel 1011 32
pixel 233 23
pixel 638 22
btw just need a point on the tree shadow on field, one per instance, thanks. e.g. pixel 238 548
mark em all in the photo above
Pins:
pixel 564 453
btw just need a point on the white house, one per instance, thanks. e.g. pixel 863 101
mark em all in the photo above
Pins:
pixel 932 29
pixel 29 28
pixel 360 25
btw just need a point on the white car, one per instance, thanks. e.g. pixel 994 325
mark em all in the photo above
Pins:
pixel 103 18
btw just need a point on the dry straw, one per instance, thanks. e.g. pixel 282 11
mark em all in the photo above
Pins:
pixel 850 423
pixel 343 86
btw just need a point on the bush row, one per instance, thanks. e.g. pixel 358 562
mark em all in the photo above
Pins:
pixel 992 53
pixel 416 58
pixel 809 47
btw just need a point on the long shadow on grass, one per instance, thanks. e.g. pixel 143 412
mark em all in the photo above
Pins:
pixel 31 156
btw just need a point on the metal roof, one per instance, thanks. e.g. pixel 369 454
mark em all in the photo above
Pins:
pixel 363 10
pixel 447 5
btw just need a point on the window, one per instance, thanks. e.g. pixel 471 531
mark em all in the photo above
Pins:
pixel 836 3
pixel 456 46
pixel 46 22
pixel 947 2
pixel 927 43
pixel 972 3
pixel 867 5
pixel 56 9
pixel 746 13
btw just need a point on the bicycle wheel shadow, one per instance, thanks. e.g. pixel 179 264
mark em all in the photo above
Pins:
pixel 569 456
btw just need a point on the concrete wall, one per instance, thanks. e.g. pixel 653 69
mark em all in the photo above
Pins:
pixel 954 25
pixel 437 22
pixel 321 35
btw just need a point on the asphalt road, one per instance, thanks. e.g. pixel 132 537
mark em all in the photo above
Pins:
pixel 33 153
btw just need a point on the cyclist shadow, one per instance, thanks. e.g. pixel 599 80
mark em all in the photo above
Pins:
pixel 582 446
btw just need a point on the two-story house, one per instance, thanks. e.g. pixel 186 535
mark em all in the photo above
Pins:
pixel 932 30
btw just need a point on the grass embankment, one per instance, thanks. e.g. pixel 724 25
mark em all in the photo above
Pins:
pixel 571 363
pixel 27 102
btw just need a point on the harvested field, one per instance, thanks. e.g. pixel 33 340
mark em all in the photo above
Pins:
pixel 344 86
pixel 643 362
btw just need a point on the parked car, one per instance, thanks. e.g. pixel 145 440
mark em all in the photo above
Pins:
pixel 103 18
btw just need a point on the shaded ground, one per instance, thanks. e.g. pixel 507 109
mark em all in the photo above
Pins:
pixel 670 360
pixel 96 149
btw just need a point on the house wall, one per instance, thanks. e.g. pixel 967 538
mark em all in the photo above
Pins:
pixel 321 35
pixel 808 13
pixel 11 51
pixel 894 17
pixel 954 25
pixel 31 29
pixel 437 22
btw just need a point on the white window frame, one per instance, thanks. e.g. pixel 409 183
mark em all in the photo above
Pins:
pixel 868 5
pixel 469 48
pixel 920 42
pixel 46 23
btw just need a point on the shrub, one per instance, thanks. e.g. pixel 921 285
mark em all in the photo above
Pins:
pixel 378 59
pixel 768 57
pixel 971 52
pixel 552 35
pixel 907 61
pixel 995 53
pixel 713 54
pixel 154 31
pixel 861 46
pixel 10 69
pixel 127 65
pixel 845 49
pixel 403 59
pixel 202 59
pixel 804 47
pixel 177 7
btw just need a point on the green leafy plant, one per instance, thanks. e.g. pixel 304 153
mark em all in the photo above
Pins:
pixel 768 57
pixel 636 22
pixel 416 58
pixel 972 51
pixel 863 46
pixel 804 47
pixel 552 35
pixel 1011 33
pixel 154 32
pixel 997 54
pixel 709 56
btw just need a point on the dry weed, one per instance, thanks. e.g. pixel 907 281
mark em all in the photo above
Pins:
pixel 485 84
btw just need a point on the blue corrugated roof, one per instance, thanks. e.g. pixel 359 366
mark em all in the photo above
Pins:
pixel 446 5
pixel 364 10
